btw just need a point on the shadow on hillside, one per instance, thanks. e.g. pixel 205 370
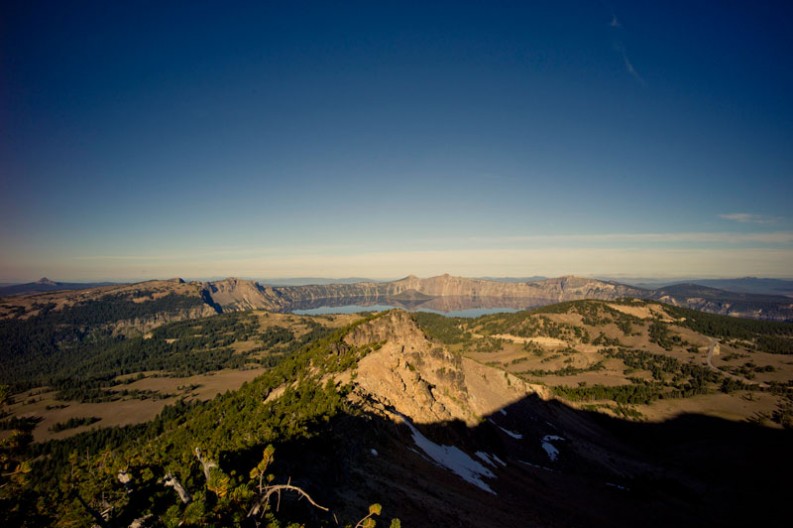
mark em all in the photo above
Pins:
pixel 693 470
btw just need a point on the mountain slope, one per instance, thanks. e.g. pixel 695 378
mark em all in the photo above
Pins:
pixel 424 415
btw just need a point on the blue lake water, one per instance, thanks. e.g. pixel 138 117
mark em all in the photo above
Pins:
pixel 357 308
pixel 448 306
pixel 347 309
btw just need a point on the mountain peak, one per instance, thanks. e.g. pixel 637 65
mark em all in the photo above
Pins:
pixel 45 280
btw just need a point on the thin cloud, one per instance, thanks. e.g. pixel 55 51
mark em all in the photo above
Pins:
pixel 616 25
pixel 632 70
pixel 629 65
pixel 748 218
pixel 774 238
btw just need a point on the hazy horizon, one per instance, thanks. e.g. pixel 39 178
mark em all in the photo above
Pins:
pixel 298 281
pixel 308 139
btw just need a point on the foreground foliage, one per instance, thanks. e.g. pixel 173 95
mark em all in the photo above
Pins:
pixel 121 474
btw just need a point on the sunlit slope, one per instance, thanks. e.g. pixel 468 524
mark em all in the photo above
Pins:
pixel 639 358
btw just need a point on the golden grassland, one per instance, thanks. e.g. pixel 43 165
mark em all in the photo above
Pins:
pixel 735 359
pixel 158 388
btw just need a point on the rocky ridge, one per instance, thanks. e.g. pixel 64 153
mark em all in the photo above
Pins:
pixel 425 382
pixel 559 289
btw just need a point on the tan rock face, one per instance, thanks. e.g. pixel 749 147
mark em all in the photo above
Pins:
pixel 561 289
pixel 424 381
pixel 235 295
pixel 135 327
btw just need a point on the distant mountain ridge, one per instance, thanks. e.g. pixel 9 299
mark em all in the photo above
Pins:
pixel 713 300
pixel 233 294
pixel 754 285
pixel 46 285
pixel 750 285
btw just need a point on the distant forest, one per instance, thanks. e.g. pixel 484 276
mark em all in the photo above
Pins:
pixel 75 351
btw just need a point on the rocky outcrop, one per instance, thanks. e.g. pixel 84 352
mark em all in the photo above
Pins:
pixel 143 325
pixel 234 295
pixel 573 288
pixel 423 380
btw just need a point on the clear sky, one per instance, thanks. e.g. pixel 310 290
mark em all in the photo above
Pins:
pixel 377 139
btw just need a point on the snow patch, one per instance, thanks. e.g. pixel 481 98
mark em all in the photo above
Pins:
pixel 453 459
pixel 516 436
pixel 485 458
pixel 490 458
pixel 550 449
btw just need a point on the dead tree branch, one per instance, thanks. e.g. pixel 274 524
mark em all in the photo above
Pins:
pixel 277 489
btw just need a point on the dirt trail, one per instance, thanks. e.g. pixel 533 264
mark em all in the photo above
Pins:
pixel 540 340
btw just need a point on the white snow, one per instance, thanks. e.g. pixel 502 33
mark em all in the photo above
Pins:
pixel 516 436
pixel 453 459
pixel 535 466
pixel 490 458
pixel 550 449
pixel 485 457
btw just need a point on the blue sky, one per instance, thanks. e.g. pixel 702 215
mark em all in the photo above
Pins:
pixel 275 139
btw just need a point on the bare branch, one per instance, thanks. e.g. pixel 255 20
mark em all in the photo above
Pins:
pixel 206 464
pixel 172 482
pixel 276 490
pixel 361 522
